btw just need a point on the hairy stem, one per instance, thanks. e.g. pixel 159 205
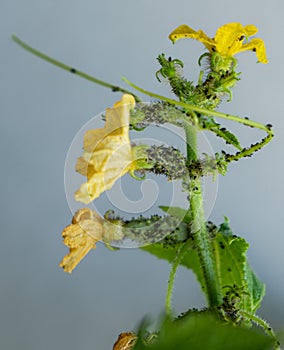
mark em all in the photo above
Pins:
pixel 198 226
pixel 261 323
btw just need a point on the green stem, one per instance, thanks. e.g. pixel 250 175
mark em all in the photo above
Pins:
pixel 198 227
pixel 265 325
pixel 171 281
pixel 175 264
pixel 61 65
pixel 191 142
pixel 203 111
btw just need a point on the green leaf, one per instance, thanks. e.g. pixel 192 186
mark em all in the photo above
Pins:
pixel 209 123
pixel 202 331
pixel 241 289
pixel 255 287
pixel 235 271
pixel 168 250
pixel 229 137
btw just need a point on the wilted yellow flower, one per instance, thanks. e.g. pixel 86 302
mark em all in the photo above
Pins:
pixel 228 41
pixel 125 341
pixel 107 152
pixel 81 236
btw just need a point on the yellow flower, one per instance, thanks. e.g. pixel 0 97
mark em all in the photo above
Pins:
pixel 107 152
pixel 228 41
pixel 81 236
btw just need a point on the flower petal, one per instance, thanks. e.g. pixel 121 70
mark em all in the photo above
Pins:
pixel 117 123
pixel 108 154
pixel 229 38
pixel 257 45
pixel 250 30
pixel 185 31
pixel 228 41
pixel 86 229
pixel 86 214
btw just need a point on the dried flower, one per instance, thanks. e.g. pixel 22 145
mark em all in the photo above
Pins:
pixel 125 341
pixel 81 236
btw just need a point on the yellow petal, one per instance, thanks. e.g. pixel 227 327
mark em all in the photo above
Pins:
pixel 117 123
pixel 229 38
pixel 185 31
pixel 83 167
pixel 258 46
pixel 108 154
pixel 127 101
pixel 228 41
pixel 86 229
pixel 109 166
pixel 181 32
pixel 250 30
pixel 86 214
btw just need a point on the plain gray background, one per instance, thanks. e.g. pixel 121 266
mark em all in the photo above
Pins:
pixel 42 108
